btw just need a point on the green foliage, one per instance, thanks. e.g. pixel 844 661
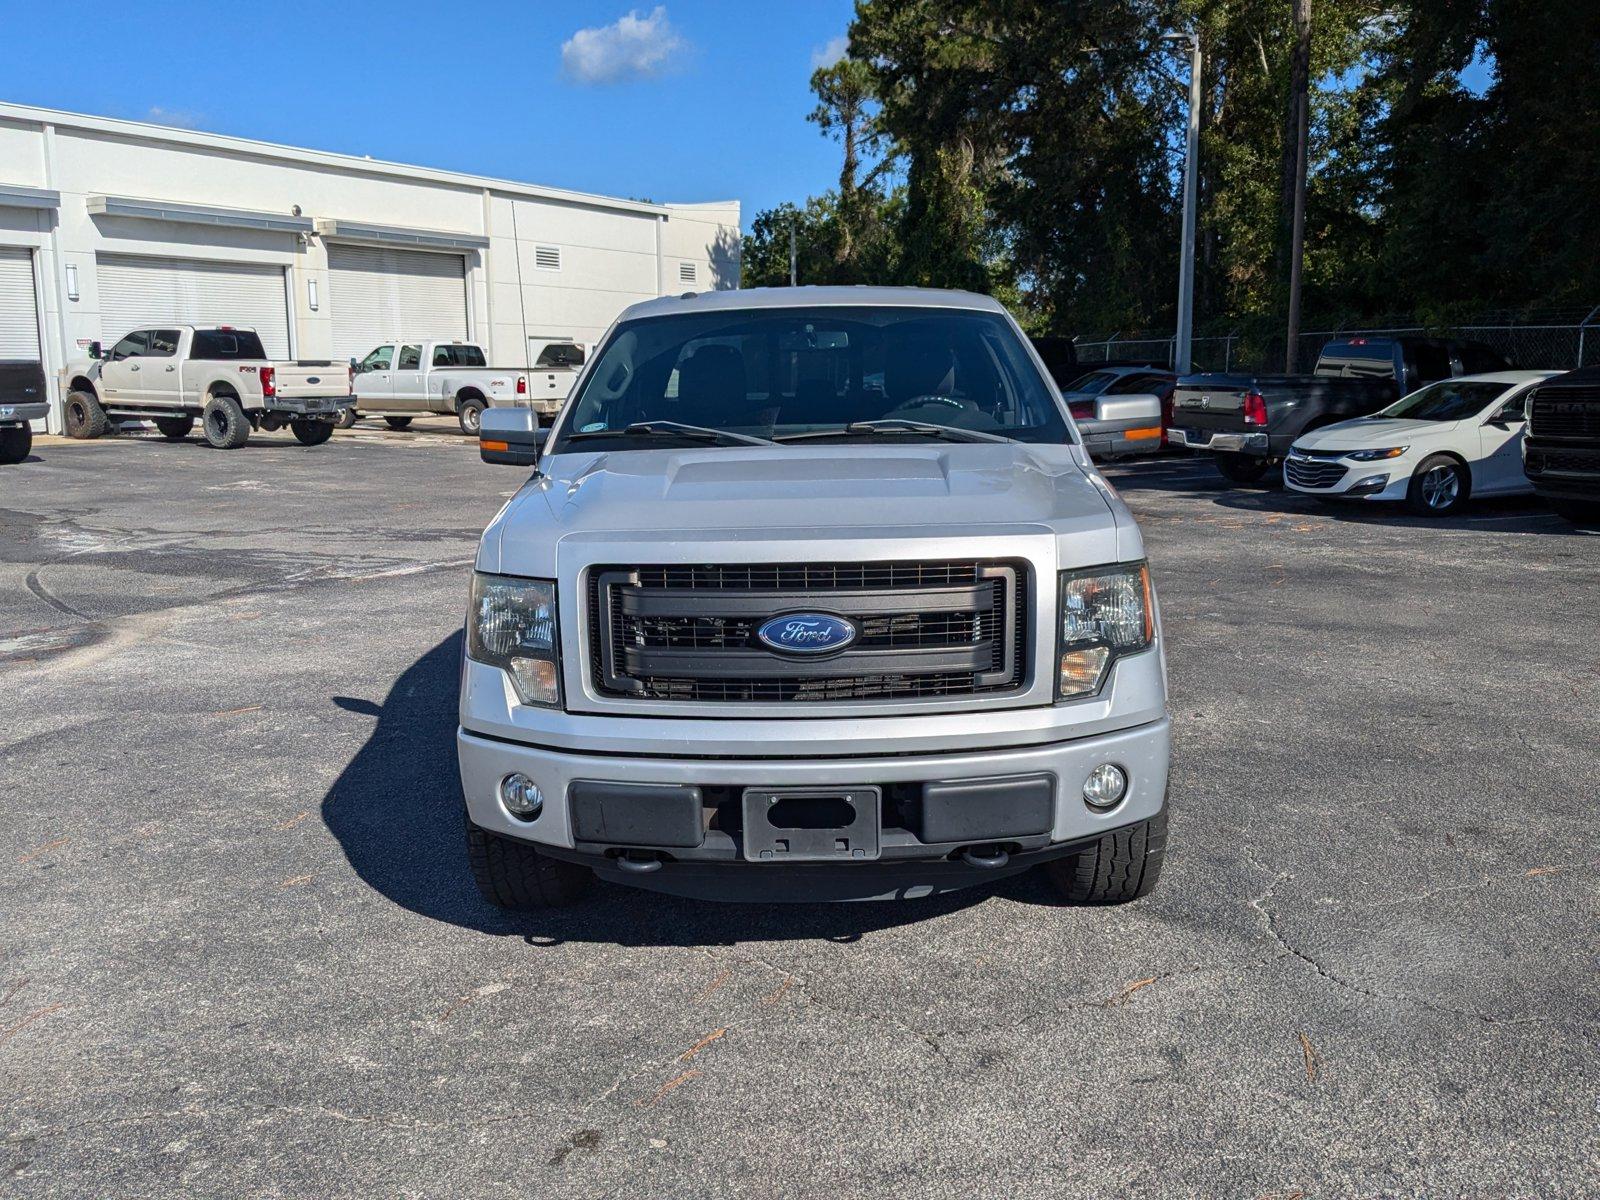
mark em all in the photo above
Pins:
pixel 1034 149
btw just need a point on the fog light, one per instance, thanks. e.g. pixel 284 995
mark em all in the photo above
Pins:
pixel 1105 787
pixel 521 796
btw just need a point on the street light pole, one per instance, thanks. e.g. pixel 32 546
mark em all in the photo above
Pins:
pixel 1184 349
pixel 794 256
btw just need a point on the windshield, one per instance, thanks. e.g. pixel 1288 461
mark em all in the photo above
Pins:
pixel 1451 400
pixel 810 372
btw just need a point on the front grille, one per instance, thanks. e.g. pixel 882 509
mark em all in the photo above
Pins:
pixel 1584 462
pixel 1565 413
pixel 925 630
pixel 1313 473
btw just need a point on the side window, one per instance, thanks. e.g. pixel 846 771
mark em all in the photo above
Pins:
pixel 163 343
pixel 380 359
pixel 1130 385
pixel 470 356
pixel 1516 408
pixel 410 358
pixel 442 357
pixel 134 343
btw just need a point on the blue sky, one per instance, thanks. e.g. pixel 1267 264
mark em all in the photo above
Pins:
pixel 690 100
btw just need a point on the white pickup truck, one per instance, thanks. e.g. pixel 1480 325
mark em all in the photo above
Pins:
pixel 405 379
pixel 218 374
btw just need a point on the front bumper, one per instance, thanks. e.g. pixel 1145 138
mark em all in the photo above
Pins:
pixel 1562 470
pixel 906 865
pixel 1385 479
pixel 16 414
pixel 1232 443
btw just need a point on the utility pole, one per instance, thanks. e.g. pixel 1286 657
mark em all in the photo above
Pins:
pixel 1300 99
pixel 794 256
pixel 1183 342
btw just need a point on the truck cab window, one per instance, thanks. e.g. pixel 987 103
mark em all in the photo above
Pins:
pixel 380 359
pixel 410 358
pixel 134 343
pixel 163 343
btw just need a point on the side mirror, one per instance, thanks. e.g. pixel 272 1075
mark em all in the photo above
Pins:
pixel 96 350
pixel 510 437
pixel 1142 408
pixel 354 365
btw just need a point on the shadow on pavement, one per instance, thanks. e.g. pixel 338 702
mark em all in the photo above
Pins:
pixel 397 808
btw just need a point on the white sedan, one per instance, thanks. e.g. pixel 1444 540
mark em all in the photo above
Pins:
pixel 1432 448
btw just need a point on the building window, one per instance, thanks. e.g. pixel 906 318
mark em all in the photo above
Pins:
pixel 686 273
pixel 547 258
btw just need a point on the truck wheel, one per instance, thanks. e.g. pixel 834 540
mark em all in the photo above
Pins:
pixel 512 874
pixel 225 424
pixel 470 414
pixel 15 442
pixel 1439 487
pixel 310 432
pixel 174 429
pixel 398 422
pixel 84 417
pixel 1123 865
pixel 1241 468
pixel 346 419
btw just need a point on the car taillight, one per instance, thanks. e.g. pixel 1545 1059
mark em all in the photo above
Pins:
pixel 522 385
pixel 1082 410
pixel 269 384
pixel 1254 408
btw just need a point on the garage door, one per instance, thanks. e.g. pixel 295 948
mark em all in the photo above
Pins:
pixel 379 294
pixel 19 316
pixel 137 292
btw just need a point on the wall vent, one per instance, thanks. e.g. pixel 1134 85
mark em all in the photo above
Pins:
pixel 686 273
pixel 547 258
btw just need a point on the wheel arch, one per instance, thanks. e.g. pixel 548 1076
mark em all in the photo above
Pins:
pixel 469 394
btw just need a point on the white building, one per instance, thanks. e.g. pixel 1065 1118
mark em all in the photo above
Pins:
pixel 108 226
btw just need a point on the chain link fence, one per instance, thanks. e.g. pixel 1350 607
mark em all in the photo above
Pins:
pixel 1559 339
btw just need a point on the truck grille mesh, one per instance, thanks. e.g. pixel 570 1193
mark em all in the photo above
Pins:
pixel 925 629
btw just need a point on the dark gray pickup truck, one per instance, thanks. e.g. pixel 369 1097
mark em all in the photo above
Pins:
pixel 22 399
pixel 1250 421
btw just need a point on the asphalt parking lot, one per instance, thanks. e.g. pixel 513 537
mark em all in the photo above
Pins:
pixel 242 954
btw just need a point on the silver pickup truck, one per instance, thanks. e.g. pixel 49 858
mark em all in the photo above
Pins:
pixel 407 378
pixel 218 374
pixel 813 594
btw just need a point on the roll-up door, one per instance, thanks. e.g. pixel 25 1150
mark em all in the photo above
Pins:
pixel 137 293
pixel 379 293
pixel 19 314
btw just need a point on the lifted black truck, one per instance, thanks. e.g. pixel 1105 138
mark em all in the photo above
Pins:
pixel 1561 446
pixel 1249 421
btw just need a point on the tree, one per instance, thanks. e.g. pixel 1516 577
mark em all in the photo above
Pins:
pixel 847 110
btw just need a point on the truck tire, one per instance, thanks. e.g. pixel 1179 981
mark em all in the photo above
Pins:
pixel 1119 867
pixel 513 874
pixel 15 442
pixel 397 422
pixel 225 425
pixel 1242 468
pixel 1439 486
pixel 175 429
pixel 310 432
pixel 470 414
pixel 347 418
pixel 84 417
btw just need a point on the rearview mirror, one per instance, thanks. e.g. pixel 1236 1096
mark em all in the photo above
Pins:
pixel 510 437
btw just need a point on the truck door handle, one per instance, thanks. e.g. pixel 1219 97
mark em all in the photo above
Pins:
pixel 172 368
pixel 135 367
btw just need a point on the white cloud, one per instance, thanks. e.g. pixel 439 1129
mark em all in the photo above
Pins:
pixel 830 52
pixel 634 47
pixel 177 117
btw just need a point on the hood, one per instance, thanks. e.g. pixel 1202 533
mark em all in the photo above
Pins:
pixel 1367 433
pixel 808 493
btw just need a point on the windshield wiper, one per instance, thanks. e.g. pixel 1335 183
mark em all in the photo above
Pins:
pixel 949 433
pixel 676 429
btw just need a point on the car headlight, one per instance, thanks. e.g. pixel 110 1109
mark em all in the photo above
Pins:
pixel 1106 612
pixel 1375 455
pixel 511 624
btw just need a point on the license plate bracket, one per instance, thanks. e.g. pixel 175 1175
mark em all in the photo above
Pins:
pixel 827 824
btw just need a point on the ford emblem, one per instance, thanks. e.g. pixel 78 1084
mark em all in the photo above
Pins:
pixel 806 633
pixel 313 379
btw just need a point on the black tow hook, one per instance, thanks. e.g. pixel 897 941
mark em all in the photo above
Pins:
pixel 639 866
pixel 996 857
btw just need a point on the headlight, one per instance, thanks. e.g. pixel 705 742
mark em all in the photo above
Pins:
pixel 1375 455
pixel 1105 612
pixel 511 624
